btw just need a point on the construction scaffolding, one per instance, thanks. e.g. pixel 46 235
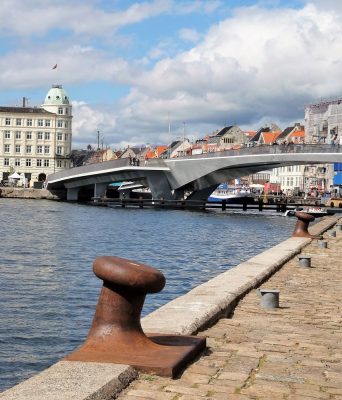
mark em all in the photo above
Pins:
pixel 323 121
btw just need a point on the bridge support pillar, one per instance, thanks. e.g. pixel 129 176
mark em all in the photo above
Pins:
pixel 100 189
pixel 160 186
pixel 72 194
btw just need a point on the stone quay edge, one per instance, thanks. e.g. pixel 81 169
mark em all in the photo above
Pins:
pixel 187 314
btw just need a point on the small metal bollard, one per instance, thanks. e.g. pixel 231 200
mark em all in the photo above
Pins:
pixel 304 261
pixel 323 244
pixel 269 298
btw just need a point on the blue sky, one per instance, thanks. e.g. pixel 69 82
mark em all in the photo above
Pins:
pixel 131 66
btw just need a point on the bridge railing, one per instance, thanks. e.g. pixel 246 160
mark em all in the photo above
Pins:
pixel 120 162
pixel 267 149
pixel 157 162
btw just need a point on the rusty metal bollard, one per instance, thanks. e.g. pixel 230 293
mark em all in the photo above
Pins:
pixel 116 335
pixel 301 228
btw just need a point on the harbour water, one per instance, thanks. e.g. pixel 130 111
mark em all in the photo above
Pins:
pixel 49 293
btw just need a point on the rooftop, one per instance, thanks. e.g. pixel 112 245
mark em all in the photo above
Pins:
pixel 24 110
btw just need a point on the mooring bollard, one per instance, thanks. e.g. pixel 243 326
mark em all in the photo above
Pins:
pixel 116 335
pixel 304 260
pixel 322 244
pixel 269 298
pixel 301 227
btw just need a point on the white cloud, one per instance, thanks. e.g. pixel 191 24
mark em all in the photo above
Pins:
pixel 257 65
pixel 27 68
pixel 190 35
pixel 87 121
pixel 26 17
pixel 38 17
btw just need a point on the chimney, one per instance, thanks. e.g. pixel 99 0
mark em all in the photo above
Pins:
pixel 24 101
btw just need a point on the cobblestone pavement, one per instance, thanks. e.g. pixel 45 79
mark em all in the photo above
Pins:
pixel 293 352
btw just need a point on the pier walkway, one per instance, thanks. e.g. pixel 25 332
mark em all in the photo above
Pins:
pixel 294 352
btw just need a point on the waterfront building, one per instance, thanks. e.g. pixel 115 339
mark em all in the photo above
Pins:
pixel 36 141
pixel 227 138
pixel 178 148
pixel 102 155
pixel 323 122
pixel 200 146
pixel 308 179
pixel 259 136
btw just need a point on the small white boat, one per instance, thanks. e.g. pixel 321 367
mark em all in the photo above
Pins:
pixel 231 194
pixel 312 210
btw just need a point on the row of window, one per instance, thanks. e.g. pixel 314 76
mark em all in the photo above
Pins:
pixel 40 122
pixel 62 111
pixel 28 162
pixel 291 181
pixel 229 140
pixel 39 149
pixel 290 168
pixel 40 135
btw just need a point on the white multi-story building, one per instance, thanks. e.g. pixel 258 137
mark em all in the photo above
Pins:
pixel 308 179
pixel 36 141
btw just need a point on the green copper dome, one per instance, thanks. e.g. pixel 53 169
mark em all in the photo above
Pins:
pixel 56 96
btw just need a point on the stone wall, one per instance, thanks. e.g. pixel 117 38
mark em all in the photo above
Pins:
pixel 30 193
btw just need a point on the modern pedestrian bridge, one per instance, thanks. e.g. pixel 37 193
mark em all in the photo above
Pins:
pixel 198 174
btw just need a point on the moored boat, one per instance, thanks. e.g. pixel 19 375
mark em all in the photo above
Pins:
pixel 232 194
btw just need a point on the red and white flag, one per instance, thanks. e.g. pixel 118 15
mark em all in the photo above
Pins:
pixel 55 66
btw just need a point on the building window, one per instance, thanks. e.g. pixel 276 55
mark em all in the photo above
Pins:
pixel 59 136
pixel 17 148
pixel 17 162
pixel 66 124
pixel 28 135
pixel 40 135
pixel 60 123
pixel 39 149
pixel 66 111
pixel 47 123
pixel 39 162
pixel 8 121
pixel 40 122
pixel 60 110
pixel 59 163
pixel 28 162
pixel 6 162
pixel 7 148
pixel 66 136
pixel 59 150
pixel 7 135
pixel 18 121
pixel 46 163
pixel 47 135
pixel 46 149
pixel 18 135
pixel 29 149
pixel 29 122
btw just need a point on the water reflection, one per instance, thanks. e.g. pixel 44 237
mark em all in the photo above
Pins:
pixel 49 292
